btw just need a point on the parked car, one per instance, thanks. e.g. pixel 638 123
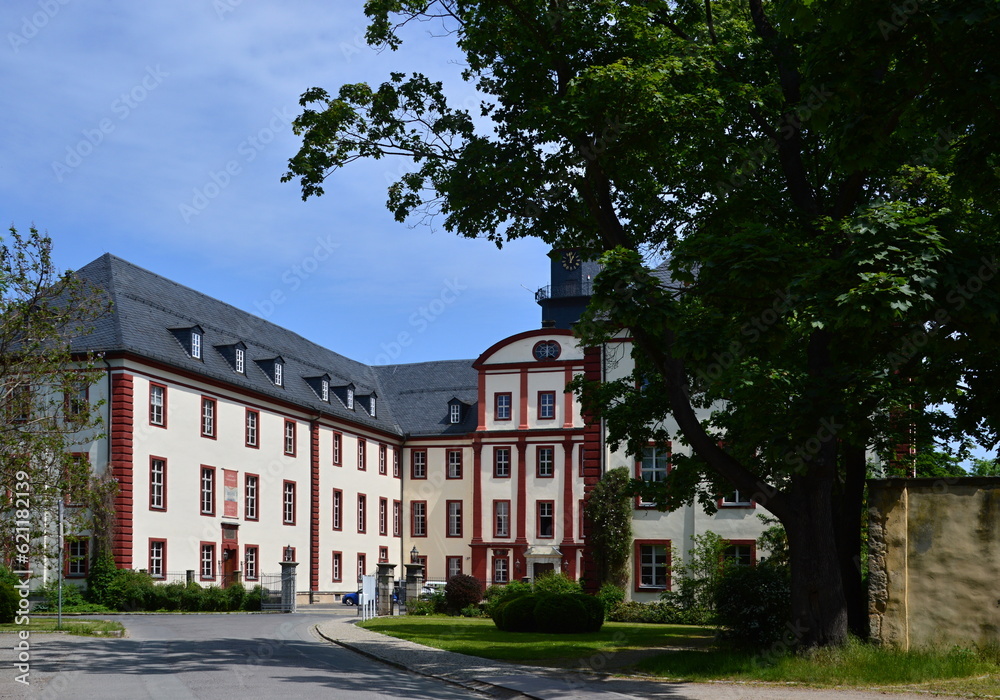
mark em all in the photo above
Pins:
pixel 351 598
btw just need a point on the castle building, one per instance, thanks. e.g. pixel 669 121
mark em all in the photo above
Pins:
pixel 237 444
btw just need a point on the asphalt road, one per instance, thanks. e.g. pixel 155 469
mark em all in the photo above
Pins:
pixel 209 657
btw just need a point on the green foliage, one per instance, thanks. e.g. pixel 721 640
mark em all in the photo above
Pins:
pixel 129 591
pixel 772 543
pixel 236 595
pixel 696 581
pixel 71 595
pixel 8 602
pixel 420 607
pixel 659 613
pixel 552 583
pixel 461 591
pixel 99 578
pixel 609 511
pixel 167 596
pixel 253 599
pixel 191 597
pixel 517 614
pixel 550 613
pixel 985 467
pixel 611 596
pixel 753 605
pixel 214 599
pixel 473 611
pixel 8 576
pixel 496 595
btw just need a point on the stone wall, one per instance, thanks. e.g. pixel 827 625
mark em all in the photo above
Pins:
pixel 934 561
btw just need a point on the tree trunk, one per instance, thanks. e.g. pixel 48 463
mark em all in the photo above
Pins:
pixel 819 608
pixel 847 525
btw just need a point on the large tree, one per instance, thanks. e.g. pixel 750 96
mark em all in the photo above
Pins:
pixel 47 416
pixel 821 176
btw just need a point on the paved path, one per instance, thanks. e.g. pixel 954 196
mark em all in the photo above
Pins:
pixel 549 684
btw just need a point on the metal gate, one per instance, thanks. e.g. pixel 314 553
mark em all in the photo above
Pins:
pixel 270 592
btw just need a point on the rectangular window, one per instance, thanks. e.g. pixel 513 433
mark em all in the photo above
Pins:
pixel 362 566
pixel 545 464
pixel 652 565
pixel 291 430
pixel 453 566
pixel 502 406
pixel 208 490
pixel 279 372
pixel 395 463
pixel 546 523
pixel 76 557
pixel 253 421
pixel 653 467
pixel 338 561
pixel 158 405
pixel 501 462
pixel 383 555
pixel 546 405
pixel 208 417
pixel 338 509
pixel 397 519
pixel 383 516
pixel 735 499
pixel 501 569
pixel 454 518
pixel 196 346
pixel 250 553
pixel 455 413
pixel 418 514
pixel 157 483
pixel 324 390
pixel 240 360
pixel 157 558
pixel 418 465
pixel 501 518
pixel 381 459
pixel 454 464
pixel 250 487
pixel 288 503
pixel 362 513
pixel 740 552
pixel 361 455
pixel 583 453
pixel 338 440
pixel 207 561
pixel 77 402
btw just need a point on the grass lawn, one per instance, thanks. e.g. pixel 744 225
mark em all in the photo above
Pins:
pixel 480 637
pixel 86 628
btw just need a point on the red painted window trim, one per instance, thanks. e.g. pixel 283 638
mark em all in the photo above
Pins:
pixel 284 486
pixel 413 464
pixel 383 516
pixel 413 518
pixel 215 491
pixel 422 560
pixel 72 406
pixel 362 564
pixel 382 461
pixel 538 461
pixel 362 454
pixel 295 437
pixel 215 564
pixel 447 516
pixel 538 519
pixel 751 505
pixel 334 515
pixel 67 543
pixel 539 412
pixel 583 519
pixel 581 457
pixel 639 505
pixel 163 486
pixel 383 555
pixel 496 533
pixel 496 406
pixel 448 454
pixel 745 543
pixel 163 559
pixel 397 518
pixel 256 498
pixel 510 453
pixel 637 565
pixel 215 417
pixel 338 444
pixel 246 548
pixel 246 429
pixel 337 566
pixel 447 566
pixel 493 572
pixel 397 473
pixel 164 407
pixel 362 512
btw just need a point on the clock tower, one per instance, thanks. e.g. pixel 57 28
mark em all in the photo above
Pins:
pixel 565 298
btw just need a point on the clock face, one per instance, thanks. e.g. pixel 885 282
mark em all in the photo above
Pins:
pixel 571 260
pixel 546 350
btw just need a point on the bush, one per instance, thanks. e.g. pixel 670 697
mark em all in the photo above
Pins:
pixel 553 583
pixel 659 613
pixel 71 596
pixel 753 604
pixel 167 596
pixel 191 597
pixel 102 573
pixel 495 595
pixel 461 591
pixel 129 591
pixel 517 615
pixel 420 607
pixel 252 600
pixel 8 602
pixel 568 613
pixel 214 599
pixel 611 596
pixel 8 576
pixel 438 601
pixel 235 595
pixel 473 611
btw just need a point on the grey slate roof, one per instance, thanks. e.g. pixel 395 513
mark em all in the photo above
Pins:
pixel 147 305
pixel 420 394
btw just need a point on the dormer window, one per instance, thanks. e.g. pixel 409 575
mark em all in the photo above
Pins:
pixel 190 339
pixel 274 368
pixel 371 405
pixel 278 372
pixel 320 386
pixel 455 413
pixel 324 390
pixel 350 398
pixel 196 345
pixel 344 392
pixel 235 355
pixel 241 360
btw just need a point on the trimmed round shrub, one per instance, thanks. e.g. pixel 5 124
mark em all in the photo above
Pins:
pixel 753 604
pixel 461 591
pixel 8 602
pixel 495 595
pixel 518 615
pixel 568 613
pixel 551 583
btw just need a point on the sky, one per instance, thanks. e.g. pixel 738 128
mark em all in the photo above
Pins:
pixel 159 131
